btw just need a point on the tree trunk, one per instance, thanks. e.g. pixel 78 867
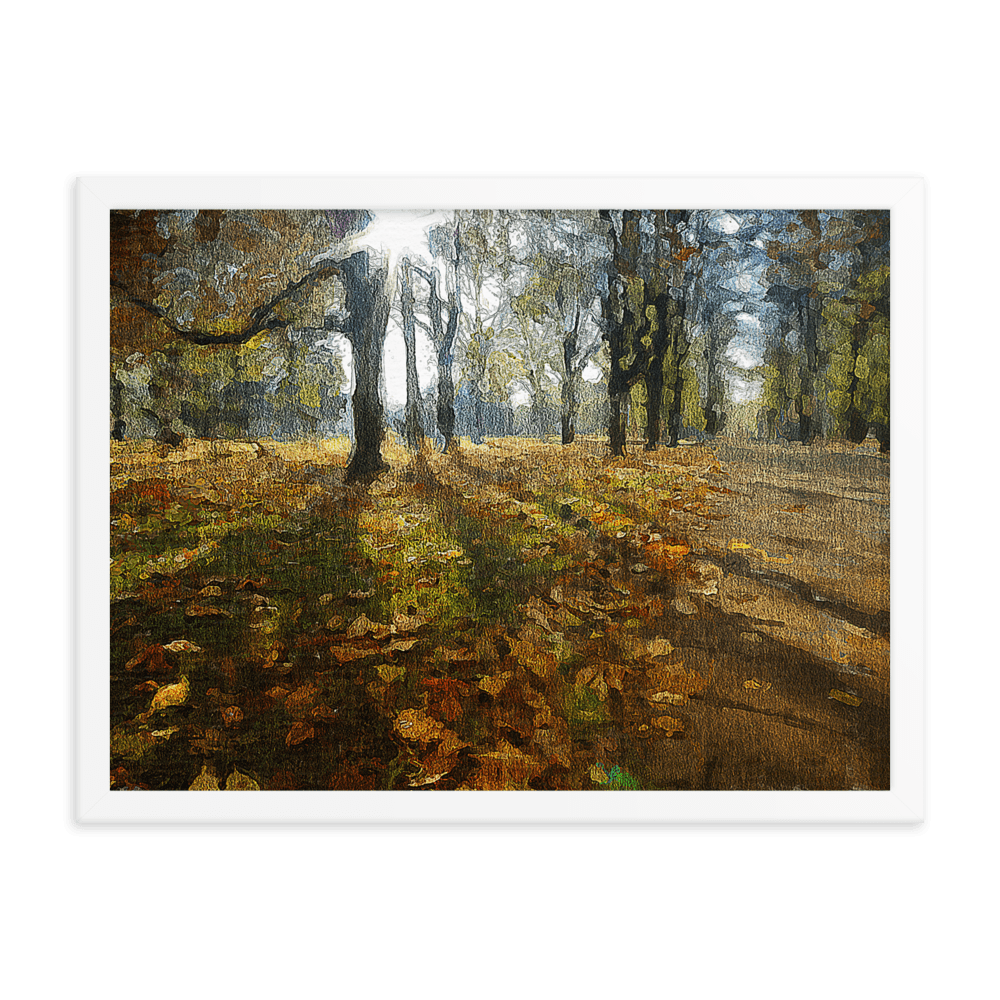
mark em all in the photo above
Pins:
pixel 412 430
pixel 711 383
pixel 616 423
pixel 570 343
pixel 675 420
pixel 654 403
pixel 118 425
pixel 368 305
pixel 446 382
pixel 477 411
pixel 167 435
pixel 807 426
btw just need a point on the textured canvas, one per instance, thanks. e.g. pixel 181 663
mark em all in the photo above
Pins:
pixel 499 500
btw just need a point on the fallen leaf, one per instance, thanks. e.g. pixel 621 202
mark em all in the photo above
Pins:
pixel 538 661
pixel 325 598
pixel 210 592
pixel 390 671
pixel 197 611
pixel 151 658
pixel 239 782
pixel 847 699
pixel 659 647
pixel 415 724
pixel 205 782
pixel 345 654
pixel 299 733
pixel 301 700
pixel 504 768
pixel 401 645
pixel 495 684
pixel 183 646
pixel 171 695
pixel 599 774
pixel 669 697
pixel 164 734
pixel 669 724
pixel 232 715
pixel 408 623
pixel 433 768
pixel 361 625
pixel 457 655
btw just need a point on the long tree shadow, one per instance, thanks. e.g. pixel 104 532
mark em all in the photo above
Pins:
pixel 265 702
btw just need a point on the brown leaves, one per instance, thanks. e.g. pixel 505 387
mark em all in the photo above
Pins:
pixel 346 654
pixel 504 768
pixel 300 701
pixel 669 725
pixel 199 611
pixel 362 625
pixel 845 698
pixel 401 645
pixel 299 733
pixel 232 715
pixel 414 724
pixel 443 695
pixel 496 683
pixel 408 623
pixel 151 658
pixel 417 726
pixel 183 646
pixel 599 677
pixel 538 660
pixel 171 695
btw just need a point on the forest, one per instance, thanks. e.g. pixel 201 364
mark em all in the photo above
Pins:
pixel 510 499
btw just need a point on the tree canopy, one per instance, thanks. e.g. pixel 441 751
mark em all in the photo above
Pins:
pixel 657 323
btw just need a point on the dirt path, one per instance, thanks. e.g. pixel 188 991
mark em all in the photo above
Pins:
pixel 798 629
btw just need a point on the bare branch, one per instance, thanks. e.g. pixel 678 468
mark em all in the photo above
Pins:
pixel 260 319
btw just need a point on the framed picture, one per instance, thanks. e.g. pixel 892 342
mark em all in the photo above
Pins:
pixel 473 499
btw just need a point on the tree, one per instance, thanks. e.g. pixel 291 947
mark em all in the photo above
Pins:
pixel 412 425
pixel 368 304
pixel 223 279
pixel 446 250
pixel 644 305
pixel 830 283
pixel 558 295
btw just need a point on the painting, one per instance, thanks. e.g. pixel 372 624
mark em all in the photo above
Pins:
pixel 536 500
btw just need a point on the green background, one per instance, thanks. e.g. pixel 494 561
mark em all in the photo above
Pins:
pixel 462 87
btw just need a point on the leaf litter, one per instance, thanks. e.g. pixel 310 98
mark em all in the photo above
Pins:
pixel 444 628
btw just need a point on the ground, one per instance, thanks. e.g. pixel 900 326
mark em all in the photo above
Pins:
pixel 515 615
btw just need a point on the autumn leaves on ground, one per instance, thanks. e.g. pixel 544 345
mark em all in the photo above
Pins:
pixel 512 615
